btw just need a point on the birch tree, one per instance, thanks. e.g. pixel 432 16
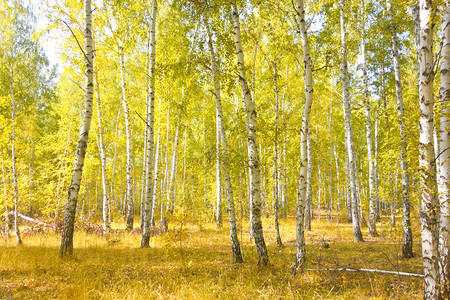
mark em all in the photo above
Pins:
pixel 249 106
pixel 428 216
pixel 69 214
pixel 406 219
pixel 443 159
pixel 372 191
pixel 13 154
pixel 308 81
pixel 149 184
pixel 101 146
pixel 235 245
pixel 348 130
pixel 129 151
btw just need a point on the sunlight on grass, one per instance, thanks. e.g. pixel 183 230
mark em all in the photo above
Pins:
pixel 195 263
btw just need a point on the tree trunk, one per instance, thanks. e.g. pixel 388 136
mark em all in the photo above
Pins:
pixel 429 207
pixel 219 220
pixel 443 159
pixel 13 158
pixel 173 170
pixel 349 132
pixel 330 185
pixel 275 161
pixel 129 164
pixel 235 245
pixel 149 184
pixel 155 183
pixel 101 146
pixel 406 219
pixel 5 191
pixel 308 207
pixel 69 215
pixel 308 81
pixel 372 195
pixel 250 111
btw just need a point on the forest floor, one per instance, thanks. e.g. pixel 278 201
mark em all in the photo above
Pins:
pixel 193 262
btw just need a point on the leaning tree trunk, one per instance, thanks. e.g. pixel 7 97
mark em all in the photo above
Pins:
pixel 349 132
pixel 372 195
pixel 263 258
pixel 13 158
pixel 407 250
pixel 69 214
pixel 444 157
pixel 129 164
pixel 308 79
pixel 428 215
pixel 101 146
pixel 235 246
pixel 149 184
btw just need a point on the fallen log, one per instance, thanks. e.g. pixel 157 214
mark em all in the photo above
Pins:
pixel 369 270
pixel 32 220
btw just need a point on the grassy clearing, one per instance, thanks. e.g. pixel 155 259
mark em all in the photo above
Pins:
pixel 194 263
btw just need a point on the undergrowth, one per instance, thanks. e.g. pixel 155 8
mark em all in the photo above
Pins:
pixel 190 262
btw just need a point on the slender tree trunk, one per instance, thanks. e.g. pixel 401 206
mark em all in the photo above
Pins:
pixel 429 207
pixel 173 170
pixel 101 146
pixel 5 191
pixel 129 164
pixel 69 215
pixel 59 175
pixel 349 132
pixel 13 157
pixel 235 246
pixel 372 195
pixel 165 188
pixel 263 258
pixel 308 80
pixel 275 161
pixel 155 183
pixel 149 184
pixel 407 250
pixel 443 159
pixel 219 220
pixel 330 185
pixel 308 207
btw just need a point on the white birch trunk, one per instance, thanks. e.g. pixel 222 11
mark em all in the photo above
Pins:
pixel 349 131
pixel 155 183
pixel 218 174
pixel 308 206
pixel 429 207
pixel 235 245
pixel 443 159
pixel 275 162
pixel 129 164
pixel 101 146
pixel 330 186
pixel 407 250
pixel 69 215
pixel 13 157
pixel 250 111
pixel 173 169
pixel 308 81
pixel 372 195
pixel 149 184
pixel 5 191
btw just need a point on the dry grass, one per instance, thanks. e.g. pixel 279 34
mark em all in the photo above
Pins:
pixel 194 263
